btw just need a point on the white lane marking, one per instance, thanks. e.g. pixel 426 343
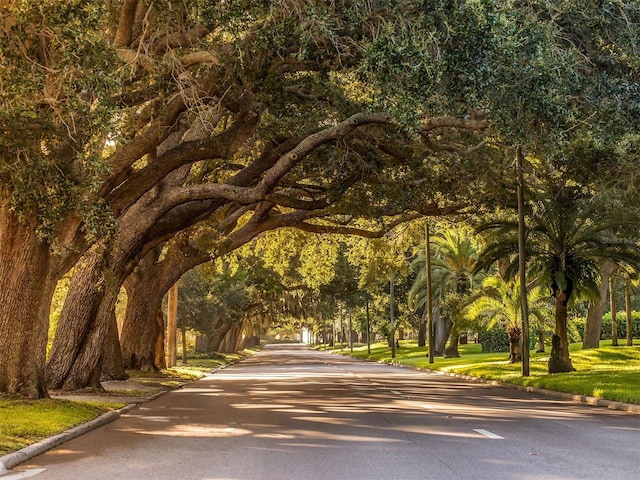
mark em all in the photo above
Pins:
pixel 487 433
pixel 22 474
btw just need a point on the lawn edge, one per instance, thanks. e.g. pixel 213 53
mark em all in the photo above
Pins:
pixel 580 398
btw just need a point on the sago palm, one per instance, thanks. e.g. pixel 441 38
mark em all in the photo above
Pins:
pixel 453 276
pixel 497 302
pixel 565 236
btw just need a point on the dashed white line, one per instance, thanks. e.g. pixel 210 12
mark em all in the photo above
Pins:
pixel 487 433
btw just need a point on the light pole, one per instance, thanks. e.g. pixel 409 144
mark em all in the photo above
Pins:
pixel 522 264
pixel 430 332
pixel 391 312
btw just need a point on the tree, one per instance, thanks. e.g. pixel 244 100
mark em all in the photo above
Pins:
pixel 566 234
pixel 498 303
pixel 454 276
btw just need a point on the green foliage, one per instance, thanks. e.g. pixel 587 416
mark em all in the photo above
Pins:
pixel 621 319
pixel 58 74
pixel 494 339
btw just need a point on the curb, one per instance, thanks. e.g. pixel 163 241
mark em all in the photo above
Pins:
pixel 12 459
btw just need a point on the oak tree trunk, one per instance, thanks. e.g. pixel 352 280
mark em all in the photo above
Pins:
pixel 77 353
pixel 26 289
pixel 112 365
pixel 141 329
pixel 593 326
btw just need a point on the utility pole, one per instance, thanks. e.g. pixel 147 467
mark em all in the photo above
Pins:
pixel 393 332
pixel 522 264
pixel 368 326
pixel 172 325
pixel 430 333
pixel 350 330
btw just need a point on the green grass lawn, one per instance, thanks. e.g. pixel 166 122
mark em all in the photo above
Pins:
pixel 611 373
pixel 23 422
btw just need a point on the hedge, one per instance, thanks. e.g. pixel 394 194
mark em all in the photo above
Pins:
pixel 621 318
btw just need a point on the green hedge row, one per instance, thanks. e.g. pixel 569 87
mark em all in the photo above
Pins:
pixel 496 339
pixel 621 318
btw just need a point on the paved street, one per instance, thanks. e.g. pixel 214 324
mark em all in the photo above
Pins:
pixel 294 413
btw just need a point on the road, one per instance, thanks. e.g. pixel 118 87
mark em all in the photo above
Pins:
pixel 294 413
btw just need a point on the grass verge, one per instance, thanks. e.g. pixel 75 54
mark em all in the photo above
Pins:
pixel 611 373
pixel 23 422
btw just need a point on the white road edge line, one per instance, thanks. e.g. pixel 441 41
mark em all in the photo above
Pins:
pixel 487 433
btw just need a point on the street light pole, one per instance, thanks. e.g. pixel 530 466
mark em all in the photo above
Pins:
pixel 430 333
pixel 522 264
pixel 393 333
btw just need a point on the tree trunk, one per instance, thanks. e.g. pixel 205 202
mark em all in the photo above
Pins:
pixel 443 327
pixel 540 347
pixel 143 325
pixel 559 360
pixel 77 352
pixel 614 312
pixel 422 333
pixel 183 332
pixel 452 348
pixel 218 335
pixel 593 326
pixel 113 365
pixel 160 358
pixel 515 348
pixel 627 309
pixel 26 285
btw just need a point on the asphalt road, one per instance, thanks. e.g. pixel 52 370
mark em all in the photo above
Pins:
pixel 294 413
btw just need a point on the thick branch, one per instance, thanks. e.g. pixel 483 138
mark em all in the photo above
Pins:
pixel 306 146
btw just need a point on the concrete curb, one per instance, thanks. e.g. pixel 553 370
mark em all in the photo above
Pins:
pixel 12 459
pixel 584 399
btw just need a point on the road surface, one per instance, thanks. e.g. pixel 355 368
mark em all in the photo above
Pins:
pixel 294 413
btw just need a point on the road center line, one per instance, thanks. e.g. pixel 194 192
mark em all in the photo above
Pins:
pixel 487 433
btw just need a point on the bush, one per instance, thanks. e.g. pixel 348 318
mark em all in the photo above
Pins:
pixel 621 318
pixel 494 339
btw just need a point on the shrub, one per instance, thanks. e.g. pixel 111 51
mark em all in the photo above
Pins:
pixel 494 339
pixel 621 317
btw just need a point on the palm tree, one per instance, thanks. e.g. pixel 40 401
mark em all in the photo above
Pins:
pixel 566 236
pixel 453 277
pixel 498 303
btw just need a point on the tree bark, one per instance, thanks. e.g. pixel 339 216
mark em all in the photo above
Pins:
pixel 515 348
pixel 26 289
pixel 452 349
pixel 78 348
pixel 593 326
pixel 559 360
pixel 112 365
pixel 143 326
pixel 540 348
pixel 614 312
pixel 443 328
